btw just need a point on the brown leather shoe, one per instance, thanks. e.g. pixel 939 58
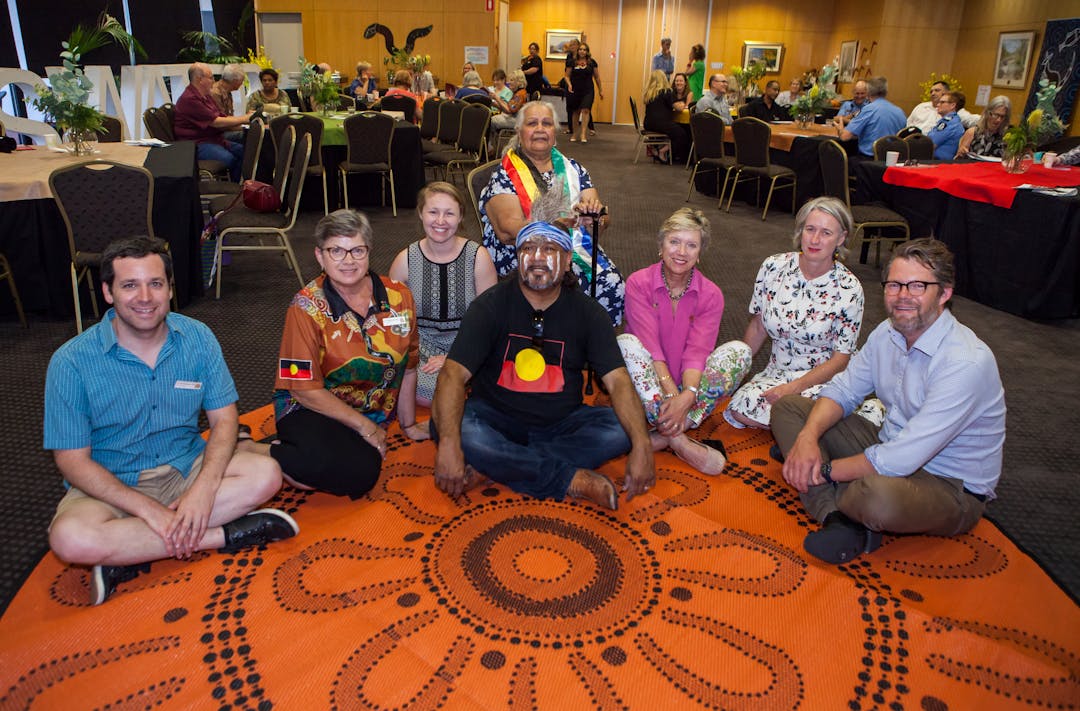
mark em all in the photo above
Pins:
pixel 701 457
pixel 594 487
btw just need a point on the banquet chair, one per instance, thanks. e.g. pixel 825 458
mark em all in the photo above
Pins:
pixel 101 201
pixel 482 99
pixel 404 104
pixel 873 216
pixel 312 125
pixel 919 147
pixel 647 138
pixel 471 144
pixel 449 122
pixel 752 136
pixel 114 130
pixel 345 101
pixel 708 131
pixel 890 143
pixel 369 137
pixel 282 162
pixel 253 144
pixel 429 123
pixel 477 181
pixel 243 222
pixel 6 273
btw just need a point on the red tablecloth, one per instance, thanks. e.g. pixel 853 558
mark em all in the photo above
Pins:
pixel 982 182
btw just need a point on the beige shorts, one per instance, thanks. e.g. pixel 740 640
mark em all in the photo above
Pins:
pixel 163 484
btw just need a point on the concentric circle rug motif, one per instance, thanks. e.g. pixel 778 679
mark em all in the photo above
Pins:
pixel 696 595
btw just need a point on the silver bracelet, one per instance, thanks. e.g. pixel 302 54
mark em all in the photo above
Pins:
pixel 694 389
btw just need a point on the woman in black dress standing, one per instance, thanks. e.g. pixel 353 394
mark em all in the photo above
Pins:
pixel 533 67
pixel 579 102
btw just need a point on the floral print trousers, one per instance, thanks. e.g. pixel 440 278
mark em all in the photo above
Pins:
pixel 724 370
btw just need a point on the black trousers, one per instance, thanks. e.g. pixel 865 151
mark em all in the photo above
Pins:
pixel 323 453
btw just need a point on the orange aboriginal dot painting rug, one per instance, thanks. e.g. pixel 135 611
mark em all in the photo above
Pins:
pixel 696 595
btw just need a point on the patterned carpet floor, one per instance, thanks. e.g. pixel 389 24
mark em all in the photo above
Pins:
pixel 696 595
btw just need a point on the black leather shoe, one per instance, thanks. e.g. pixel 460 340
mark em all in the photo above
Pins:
pixel 257 528
pixel 105 578
pixel 841 540
pixel 776 453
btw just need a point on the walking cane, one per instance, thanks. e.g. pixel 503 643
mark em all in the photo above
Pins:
pixel 595 216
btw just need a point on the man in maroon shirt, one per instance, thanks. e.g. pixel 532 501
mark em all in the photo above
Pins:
pixel 199 119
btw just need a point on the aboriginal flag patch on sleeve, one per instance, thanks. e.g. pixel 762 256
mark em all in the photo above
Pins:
pixel 294 369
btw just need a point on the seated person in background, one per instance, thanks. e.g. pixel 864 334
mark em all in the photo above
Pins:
pixel 880 117
pixel 424 85
pixel 532 167
pixel 811 307
pixel 659 107
pixel 401 87
pixel 471 85
pixel 673 317
pixel 925 115
pixel 122 404
pixel 715 99
pixel 364 83
pixel 444 271
pixel 522 347
pixel 268 94
pixel 199 119
pixel 851 108
pixel 499 88
pixel 987 138
pixel 937 459
pixel 348 365
pixel 232 78
pixel 787 98
pixel 765 107
pixel 680 92
pixel 518 98
pixel 466 68
pixel 947 132
pixel 1070 157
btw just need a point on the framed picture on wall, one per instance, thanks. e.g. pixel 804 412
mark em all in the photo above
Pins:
pixel 849 55
pixel 769 52
pixel 555 47
pixel 1013 59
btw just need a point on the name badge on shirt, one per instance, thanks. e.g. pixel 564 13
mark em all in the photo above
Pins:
pixel 395 321
pixel 188 385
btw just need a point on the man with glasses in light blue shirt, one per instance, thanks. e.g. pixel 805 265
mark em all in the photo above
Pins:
pixel 936 460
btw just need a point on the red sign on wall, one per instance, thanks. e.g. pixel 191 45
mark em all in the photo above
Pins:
pixel 489 5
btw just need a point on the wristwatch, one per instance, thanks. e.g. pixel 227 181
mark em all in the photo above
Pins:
pixel 826 472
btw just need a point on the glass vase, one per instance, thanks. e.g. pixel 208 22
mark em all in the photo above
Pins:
pixel 1017 161
pixel 80 141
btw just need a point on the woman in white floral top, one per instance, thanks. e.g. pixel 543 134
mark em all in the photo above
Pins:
pixel 811 306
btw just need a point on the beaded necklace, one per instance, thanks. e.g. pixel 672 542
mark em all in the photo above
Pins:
pixel 675 299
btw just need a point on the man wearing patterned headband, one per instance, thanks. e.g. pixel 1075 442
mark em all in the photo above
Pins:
pixel 523 345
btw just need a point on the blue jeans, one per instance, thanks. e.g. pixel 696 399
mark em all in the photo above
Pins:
pixel 539 461
pixel 231 154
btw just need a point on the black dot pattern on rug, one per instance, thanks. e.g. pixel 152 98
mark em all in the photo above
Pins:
pixel 175 614
pixel 536 562
pixel 408 600
pixel 681 594
pixel 931 703
pixel 493 660
pixel 615 656
pixel 233 670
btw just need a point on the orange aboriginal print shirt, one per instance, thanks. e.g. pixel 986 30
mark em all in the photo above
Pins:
pixel 360 359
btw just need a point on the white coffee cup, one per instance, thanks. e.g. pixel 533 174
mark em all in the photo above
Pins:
pixel 891 157
pixel 1048 158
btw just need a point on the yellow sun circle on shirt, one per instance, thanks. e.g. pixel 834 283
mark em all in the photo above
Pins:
pixel 293 370
pixel 529 364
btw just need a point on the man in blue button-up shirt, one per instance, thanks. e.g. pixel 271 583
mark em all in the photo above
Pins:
pixel 122 404
pixel 937 458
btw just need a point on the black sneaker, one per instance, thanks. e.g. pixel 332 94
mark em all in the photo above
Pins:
pixel 841 540
pixel 105 578
pixel 257 528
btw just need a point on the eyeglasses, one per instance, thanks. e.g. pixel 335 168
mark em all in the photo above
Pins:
pixel 338 253
pixel 1001 117
pixel 915 288
pixel 538 330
